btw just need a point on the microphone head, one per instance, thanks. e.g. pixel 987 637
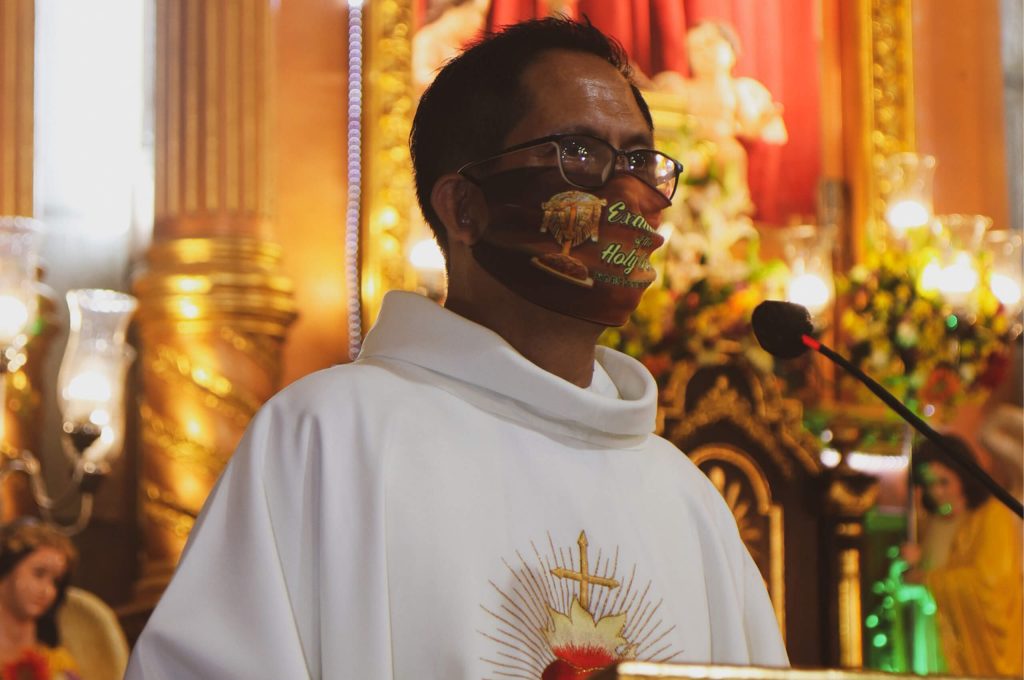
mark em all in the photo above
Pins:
pixel 780 326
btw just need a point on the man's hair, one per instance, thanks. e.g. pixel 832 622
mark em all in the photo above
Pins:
pixel 477 98
pixel 927 451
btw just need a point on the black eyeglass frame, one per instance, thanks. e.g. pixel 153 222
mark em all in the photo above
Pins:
pixel 557 139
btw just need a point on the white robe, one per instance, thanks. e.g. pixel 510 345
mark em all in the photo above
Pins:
pixel 420 512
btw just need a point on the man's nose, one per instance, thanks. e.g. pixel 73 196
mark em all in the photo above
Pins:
pixel 634 194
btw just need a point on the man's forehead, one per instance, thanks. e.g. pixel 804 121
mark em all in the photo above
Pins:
pixel 579 92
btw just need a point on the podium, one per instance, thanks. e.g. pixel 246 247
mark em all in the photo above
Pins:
pixel 636 670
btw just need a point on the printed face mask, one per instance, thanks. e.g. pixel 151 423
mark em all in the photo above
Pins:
pixel 583 253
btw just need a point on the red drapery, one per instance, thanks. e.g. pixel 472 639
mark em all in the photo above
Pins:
pixel 780 42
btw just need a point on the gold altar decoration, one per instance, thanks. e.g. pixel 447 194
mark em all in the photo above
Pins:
pixel 886 117
pixel 849 495
pixel 756 410
pixel 213 318
pixel 388 189
pixel 759 518
pixel 214 309
pixel 639 670
pixel 801 521
pixel 17 80
pixel 762 414
pixel 20 412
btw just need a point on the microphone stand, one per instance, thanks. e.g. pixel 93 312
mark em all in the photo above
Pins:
pixel 967 464
pixel 907 448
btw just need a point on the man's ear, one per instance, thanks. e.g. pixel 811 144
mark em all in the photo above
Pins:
pixel 461 207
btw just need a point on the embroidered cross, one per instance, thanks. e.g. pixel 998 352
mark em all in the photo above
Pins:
pixel 582 576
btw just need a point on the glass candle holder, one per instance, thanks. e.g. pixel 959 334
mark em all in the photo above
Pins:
pixel 1006 273
pixel 959 274
pixel 808 253
pixel 907 180
pixel 92 373
pixel 19 262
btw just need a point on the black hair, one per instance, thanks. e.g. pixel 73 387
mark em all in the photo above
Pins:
pixel 927 451
pixel 20 539
pixel 476 99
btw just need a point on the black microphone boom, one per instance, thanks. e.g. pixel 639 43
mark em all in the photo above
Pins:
pixel 784 330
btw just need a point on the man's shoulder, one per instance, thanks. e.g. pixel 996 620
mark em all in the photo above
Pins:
pixel 679 460
pixel 345 384
pixel 698 487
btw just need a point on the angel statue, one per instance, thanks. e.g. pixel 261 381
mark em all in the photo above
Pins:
pixel 722 109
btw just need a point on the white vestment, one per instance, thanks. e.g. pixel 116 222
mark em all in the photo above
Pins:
pixel 443 508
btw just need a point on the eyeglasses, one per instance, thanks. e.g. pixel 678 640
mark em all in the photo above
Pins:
pixel 588 163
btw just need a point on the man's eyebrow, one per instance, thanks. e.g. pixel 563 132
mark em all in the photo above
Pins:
pixel 635 140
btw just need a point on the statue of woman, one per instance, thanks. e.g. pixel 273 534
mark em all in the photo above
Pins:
pixel 970 560
pixel 35 563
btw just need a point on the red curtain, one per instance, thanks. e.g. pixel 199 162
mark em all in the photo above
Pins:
pixel 779 43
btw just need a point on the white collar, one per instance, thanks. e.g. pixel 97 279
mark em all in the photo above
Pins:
pixel 416 331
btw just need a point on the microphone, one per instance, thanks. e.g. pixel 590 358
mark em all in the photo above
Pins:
pixel 784 330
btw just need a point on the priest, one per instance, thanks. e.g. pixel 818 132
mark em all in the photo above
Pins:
pixel 480 493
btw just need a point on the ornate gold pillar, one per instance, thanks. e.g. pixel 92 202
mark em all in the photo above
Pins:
pixel 876 62
pixel 19 411
pixel 17 55
pixel 388 188
pixel 849 495
pixel 214 310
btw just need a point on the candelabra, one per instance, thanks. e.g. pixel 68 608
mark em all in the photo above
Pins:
pixel 90 381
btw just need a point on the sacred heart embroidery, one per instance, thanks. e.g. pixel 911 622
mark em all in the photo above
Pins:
pixel 561 619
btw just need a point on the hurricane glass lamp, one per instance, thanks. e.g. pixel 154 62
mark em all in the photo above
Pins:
pixel 92 374
pixel 1006 273
pixel 808 253
pixel 19 261
pixel 961 237
pixel 907 182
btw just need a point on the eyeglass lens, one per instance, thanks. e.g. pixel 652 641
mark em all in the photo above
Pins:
pixel 588 162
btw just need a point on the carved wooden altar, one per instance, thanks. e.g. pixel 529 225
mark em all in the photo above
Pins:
pixel 800 520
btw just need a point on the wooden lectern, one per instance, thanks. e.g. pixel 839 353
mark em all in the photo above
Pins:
pixel 635 670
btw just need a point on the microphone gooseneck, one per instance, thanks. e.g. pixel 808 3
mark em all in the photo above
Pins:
pixel 784 330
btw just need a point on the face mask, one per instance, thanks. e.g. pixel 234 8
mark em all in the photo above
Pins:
pixel 584 253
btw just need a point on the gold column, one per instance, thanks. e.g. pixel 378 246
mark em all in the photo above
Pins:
pixel 877 89
pixel 214 308
pixel 19 410
pixel 388 187
pixel 849 495
pixel 17 49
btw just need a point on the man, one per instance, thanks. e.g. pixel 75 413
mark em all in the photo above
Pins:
pixel 480 494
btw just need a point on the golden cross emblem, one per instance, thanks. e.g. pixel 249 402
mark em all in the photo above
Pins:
pixel 582 576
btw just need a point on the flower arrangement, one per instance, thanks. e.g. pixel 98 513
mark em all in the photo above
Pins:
pixel 41 663
pixel 899 329
pixel 705 322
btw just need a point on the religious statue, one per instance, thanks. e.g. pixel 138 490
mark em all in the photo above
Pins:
pixel 449 26
pixel 35 560
pixel 969 557
pixel 723 109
